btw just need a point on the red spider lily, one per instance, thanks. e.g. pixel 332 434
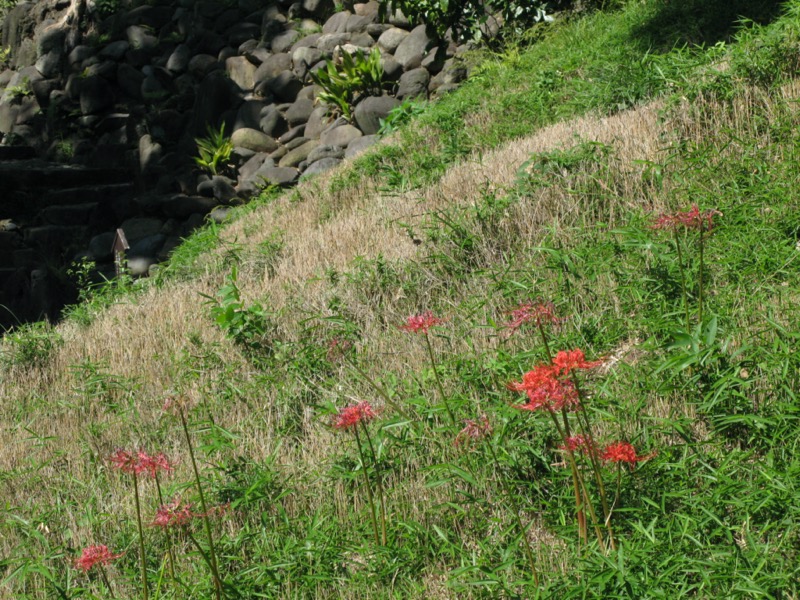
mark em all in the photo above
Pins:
pixel 690 219
pixel 567 361
pixel 619 452
pixel 95 555
pixel 579 443
pixel 354 414
pixel 534 379
pixel 474 431
pixel 127 462
pixel 153 464
pixel 552 395
pixel 174 514
pixel 421 323
pixel 539 312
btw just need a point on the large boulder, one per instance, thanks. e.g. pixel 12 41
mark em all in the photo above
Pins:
pixel 370 111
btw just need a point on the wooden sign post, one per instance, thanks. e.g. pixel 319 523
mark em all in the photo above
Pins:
pixel 119 248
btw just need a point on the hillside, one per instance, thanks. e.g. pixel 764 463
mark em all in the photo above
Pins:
pixel 547 205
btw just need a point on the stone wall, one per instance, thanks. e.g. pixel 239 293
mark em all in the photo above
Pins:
pixel 133 90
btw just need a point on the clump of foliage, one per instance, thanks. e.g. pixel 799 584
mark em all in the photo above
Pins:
pixel 346 83
pixel 214 150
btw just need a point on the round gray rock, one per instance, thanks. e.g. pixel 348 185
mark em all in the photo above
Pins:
pixel 370 111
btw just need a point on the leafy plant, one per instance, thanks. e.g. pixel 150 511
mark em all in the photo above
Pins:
pixel 30 345
pixel 344 84
pixel 248 326
pixel 400 115
pixel 214 150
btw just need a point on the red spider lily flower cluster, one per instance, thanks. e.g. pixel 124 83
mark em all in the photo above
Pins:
pixel 539 312
pixel 623 452
pixel 94 555
pixel 152 465
pixel 354 414
pixel 690 219
pixel 178 514
pixel 579 443
pixel 545 390
pixel 474 431
pixel 174 514
pixel 140 462
pixel 127 462
pixel 567 361
pixel 421 323
pixel 546 385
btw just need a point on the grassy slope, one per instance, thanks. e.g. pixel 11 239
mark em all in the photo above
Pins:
pixel 460 228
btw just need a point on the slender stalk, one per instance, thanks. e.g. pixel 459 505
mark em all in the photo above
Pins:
pixel 700 280
pixel 683 276
pixel 213 564
pixel 105 580
pixel 579 482
pixel 381 392
pixel 580 515
pixel 145 592
pixel 170 553
pixel 369 489
pixel 379 483
pixel 586 428
pixel 515 508
pixel 544 340
pixel 200 551
pixel 438 381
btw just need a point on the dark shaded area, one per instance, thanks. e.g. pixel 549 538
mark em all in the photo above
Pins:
pixel 702 22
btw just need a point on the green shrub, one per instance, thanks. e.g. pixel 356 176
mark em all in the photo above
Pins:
pixel 343 85
pixel 214 150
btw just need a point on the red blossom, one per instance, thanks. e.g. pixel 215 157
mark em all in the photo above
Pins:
pixel 474 430
pixel 545 390
pixel 534 379
pixel 539 312
pixel 623 452
pixel 354 414
pixel 579 443
pixel 127 462
pixel 153 464
pixel 94 555
pixel 421 323
pixel 690 219
pixel 567 361
pixel 174 514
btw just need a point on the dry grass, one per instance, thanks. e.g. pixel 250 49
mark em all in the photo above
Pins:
pixel 143 340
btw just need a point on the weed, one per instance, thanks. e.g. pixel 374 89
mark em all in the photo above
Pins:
pixel 30 346
pixel 214 150
pixel 343 85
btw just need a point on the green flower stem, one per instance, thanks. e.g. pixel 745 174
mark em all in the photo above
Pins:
pixel 515 509
pixel 683 276
pixel 438 381
pixel 580 515
pixel 544 340
pixel 586 429
pixel 170 553
pixel 379 483
pixel 369 489
pixel 213 563
pixel 145 593
pixel 105 580
pixel 700 279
